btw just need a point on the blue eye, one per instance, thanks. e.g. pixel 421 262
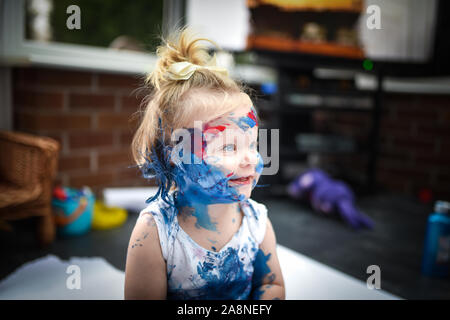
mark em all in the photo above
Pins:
pixel 229 147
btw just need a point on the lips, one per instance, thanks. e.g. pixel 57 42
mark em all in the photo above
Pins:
pixel 242 180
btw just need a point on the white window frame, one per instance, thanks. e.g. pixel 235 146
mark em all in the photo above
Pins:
pixel 16 50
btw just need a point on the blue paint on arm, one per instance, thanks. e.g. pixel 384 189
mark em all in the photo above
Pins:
pixel 261 270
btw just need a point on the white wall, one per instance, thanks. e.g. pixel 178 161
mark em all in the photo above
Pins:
pixel 407 30
pixel 223 21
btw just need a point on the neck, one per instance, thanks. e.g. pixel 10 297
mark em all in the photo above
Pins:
pixel 208 216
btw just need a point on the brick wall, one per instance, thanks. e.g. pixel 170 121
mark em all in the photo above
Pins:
pixel 414 150
pixel 90 114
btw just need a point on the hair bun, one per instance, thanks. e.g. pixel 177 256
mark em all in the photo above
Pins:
pixel 181 46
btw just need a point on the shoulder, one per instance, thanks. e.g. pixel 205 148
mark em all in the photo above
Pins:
pixel 259 210
pixel 145 231
pixel 257 215
pixel 159 216
pixel 144 253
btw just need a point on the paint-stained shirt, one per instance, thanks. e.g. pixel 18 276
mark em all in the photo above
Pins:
pixel 194 272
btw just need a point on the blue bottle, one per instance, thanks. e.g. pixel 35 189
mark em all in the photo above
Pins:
pixel 436 257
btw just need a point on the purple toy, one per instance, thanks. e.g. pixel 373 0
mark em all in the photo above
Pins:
pixel 328 196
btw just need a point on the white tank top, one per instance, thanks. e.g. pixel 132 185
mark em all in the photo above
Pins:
pixel 194 272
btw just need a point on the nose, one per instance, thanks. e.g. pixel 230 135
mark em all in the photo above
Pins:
pixel 249 157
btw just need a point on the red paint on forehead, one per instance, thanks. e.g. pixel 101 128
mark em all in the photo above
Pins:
pixel 252 116
pixel 213 129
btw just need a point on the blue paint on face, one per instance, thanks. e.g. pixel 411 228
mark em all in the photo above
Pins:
pixel 248 121
pixel 260 165
pixel 259 169
pixel 157 166
pixel 261 270
pixel 201 184
pixel 244 122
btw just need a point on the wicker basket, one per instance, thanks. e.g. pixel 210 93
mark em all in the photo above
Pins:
pixel 28 166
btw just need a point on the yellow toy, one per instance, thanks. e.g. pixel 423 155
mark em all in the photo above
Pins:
pixel 107 217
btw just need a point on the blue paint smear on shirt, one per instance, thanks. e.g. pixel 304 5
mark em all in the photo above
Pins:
pixel 229 281
pixel 170 268
pixel 261 269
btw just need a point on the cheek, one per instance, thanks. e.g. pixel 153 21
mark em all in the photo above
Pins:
pixel 259 165
pixel 223 163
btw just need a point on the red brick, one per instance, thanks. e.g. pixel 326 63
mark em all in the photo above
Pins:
pixel 433 131
pixel 116 121
pixel 444 177
pixel 91 101
pixel 444 116
pixel 49 77
pixel 103 179
pixel 418 144
pixel 394 102
pixel 121 159
pixel 395 155
pixel 398 98
pixel 71 162
pixel 434 101
pixel 393 164
pixel 131 174
pixel 404 174
pixel 52 122
pixel 91 139
pixel 390 127
pixel 41 100
pixel 428 160
pixel 428 115
pixel 130 103
pixel 444 149
pixel 58 137
pixel 126 138
pixel 396 185
pixel 118 81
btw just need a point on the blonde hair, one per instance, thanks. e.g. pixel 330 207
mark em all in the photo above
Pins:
pixel 171 103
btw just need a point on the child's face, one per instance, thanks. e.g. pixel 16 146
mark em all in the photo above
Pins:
pixel 230 163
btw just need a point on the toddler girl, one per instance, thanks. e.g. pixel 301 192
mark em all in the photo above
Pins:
pixel 201 237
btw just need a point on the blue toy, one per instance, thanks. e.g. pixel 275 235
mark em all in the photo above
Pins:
pixel 73 210
pixel 436 255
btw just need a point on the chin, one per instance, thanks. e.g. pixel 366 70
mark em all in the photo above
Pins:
pixel 246 191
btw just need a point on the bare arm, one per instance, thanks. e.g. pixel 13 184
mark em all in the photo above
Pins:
pixel 145 271
pixel 268 279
